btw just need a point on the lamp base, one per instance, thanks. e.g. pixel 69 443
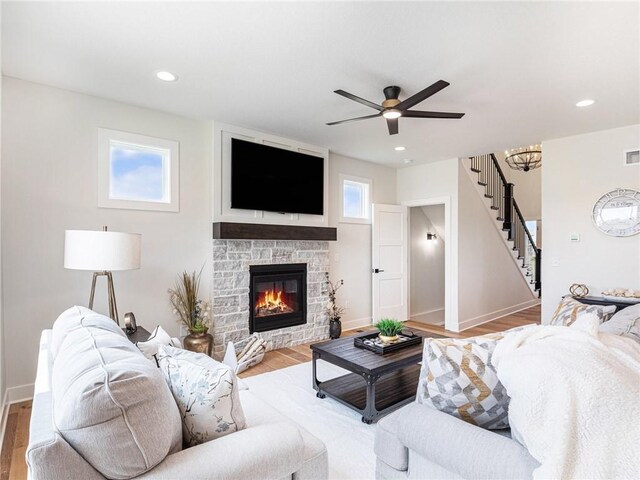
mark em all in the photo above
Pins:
pixel 113 308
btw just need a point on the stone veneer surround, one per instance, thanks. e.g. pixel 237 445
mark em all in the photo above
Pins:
pixel 230 295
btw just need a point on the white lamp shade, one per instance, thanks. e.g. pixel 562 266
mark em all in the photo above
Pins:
pixel 99 250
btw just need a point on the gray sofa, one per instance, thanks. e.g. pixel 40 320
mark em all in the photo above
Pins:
pixel 420 442
pixel 270 447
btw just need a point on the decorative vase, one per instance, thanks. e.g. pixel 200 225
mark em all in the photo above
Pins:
pixel 386 339
pixel 199 342
pixel 335 328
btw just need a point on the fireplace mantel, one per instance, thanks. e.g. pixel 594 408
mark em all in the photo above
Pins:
pixel 260 231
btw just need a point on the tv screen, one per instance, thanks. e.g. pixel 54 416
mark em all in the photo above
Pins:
pixel 275 180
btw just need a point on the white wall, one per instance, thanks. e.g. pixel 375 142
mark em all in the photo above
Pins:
pixel 351 254
pixel 577 171
pixel 426 267
pixel 2 362
pixel 433 183
pixel 490 283
pixel 49 184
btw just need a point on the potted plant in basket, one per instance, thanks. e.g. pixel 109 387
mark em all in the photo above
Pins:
pixel 389 329
pixel 333 310
pixel 192 312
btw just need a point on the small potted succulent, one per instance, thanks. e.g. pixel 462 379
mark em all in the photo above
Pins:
pixel 389 329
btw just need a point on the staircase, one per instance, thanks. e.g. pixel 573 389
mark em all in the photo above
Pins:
pixel 499 195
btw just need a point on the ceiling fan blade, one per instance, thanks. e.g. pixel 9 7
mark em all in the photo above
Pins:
pixel 350 96
pixel 421 114
pixel 392 124
pixel 422 95
pixel 355 119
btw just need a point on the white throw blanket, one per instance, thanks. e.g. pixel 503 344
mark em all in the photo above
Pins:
pixel 575 399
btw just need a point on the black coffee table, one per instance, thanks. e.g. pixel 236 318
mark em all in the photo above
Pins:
pixel 378 384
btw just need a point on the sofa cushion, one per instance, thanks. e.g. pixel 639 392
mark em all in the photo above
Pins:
pixel 76 318
pixel 457 377
pixel 110 403
pixel 206 392
pixel 569 309
pixel 626 323
pixel 387 445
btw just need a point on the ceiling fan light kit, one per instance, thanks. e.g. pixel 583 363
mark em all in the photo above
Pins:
pixel 391 109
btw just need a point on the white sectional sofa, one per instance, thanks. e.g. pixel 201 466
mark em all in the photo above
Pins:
pixel 270 447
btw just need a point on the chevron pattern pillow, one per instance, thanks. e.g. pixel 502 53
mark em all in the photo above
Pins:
pixel 457 378
pixel 569 309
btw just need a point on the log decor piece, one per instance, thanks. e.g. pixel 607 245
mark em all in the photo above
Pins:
pixel 257 231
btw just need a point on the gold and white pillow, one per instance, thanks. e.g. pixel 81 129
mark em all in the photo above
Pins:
pixel 569 309
pixel 457 378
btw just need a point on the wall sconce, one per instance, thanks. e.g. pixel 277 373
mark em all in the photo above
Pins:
pixel 431 236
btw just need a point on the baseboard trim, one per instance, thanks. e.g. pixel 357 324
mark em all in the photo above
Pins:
pixel 432 317
pixel 21 393
pixel 356 323
pixel 489 317
pixel 3 421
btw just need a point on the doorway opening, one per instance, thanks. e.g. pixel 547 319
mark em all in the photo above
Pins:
pixel 427 247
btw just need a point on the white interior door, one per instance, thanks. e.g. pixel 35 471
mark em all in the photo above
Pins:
pixel 389 262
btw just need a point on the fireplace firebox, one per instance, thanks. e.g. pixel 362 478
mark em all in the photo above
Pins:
pixel 278 296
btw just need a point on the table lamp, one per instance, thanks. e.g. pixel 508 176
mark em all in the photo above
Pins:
pixel 102 252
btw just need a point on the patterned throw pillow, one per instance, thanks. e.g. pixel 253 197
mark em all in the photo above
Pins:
pixel 206 392
pixel 569 309
pixel 457 378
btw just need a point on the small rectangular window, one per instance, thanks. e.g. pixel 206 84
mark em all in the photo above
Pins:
pixel 137 172
pixel 356 199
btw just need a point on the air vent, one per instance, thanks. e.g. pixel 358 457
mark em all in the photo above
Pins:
pixel 632 157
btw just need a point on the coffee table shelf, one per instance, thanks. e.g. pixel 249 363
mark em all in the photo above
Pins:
pixel 392 390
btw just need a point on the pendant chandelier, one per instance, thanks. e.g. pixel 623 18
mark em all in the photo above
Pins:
pixel 525 158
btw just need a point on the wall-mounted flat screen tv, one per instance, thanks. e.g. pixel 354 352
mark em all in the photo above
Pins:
pixel 275 180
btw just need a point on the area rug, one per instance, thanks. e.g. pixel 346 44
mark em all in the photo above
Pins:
pixel 349 441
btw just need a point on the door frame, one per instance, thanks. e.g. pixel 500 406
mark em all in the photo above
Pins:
pixel 450 265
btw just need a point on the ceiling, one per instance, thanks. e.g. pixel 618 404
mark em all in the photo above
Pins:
pixel 517 69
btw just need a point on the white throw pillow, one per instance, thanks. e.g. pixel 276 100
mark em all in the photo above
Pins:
pixel 626 323
pixel 206 392
pixel 158 337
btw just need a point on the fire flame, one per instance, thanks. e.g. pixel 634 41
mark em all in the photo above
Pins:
pixel 272 300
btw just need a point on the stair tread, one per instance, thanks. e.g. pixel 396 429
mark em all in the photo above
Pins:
pixel 482 183
pixel 475 170
pixel 492 207
pixel 488 196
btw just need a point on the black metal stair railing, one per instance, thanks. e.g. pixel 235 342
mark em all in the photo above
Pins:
pixel 500 192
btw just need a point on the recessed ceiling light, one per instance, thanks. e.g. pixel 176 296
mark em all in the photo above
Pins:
pixel 399 149
pixel 166 76
pixel 408 161
pixel 585 103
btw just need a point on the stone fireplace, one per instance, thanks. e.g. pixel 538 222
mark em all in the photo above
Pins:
pixel 272 287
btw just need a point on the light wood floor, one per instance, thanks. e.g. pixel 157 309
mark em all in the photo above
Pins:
pixel 12 463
